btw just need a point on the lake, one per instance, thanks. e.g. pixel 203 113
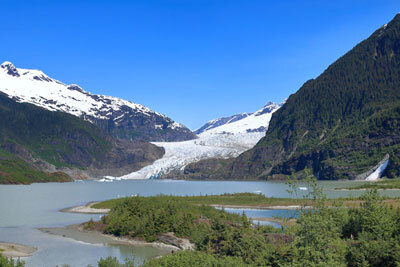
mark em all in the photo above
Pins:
pixel 25 208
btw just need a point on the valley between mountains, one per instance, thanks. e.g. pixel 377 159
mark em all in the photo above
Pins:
pixel 344 124
pixel 114 138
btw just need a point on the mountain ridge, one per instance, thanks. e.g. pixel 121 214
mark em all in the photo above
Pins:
pixel 269 107
pixel 123 119
pixel 42 144
pixel 220 121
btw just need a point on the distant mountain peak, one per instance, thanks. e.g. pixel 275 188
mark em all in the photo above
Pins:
pixel 6 64
pixel 241 123
pixel 269 103
pixel 268 108
pixel 9 68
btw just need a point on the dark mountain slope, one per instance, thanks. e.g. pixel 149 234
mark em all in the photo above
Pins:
pixel 341 124
pixel 56 141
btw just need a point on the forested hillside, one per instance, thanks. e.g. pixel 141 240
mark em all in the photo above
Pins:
pixel 33 140
pixel 340 125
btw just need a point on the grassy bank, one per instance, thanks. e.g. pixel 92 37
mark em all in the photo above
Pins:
pixel 384 184
pixel 250 200
pixel 238 199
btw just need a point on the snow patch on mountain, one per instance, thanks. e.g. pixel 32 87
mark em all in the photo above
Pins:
pixel 35 87
pixel 224 141
pixel 221 121
pixel 253 122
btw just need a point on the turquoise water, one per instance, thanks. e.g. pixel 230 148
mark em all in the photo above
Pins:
pixel 25 208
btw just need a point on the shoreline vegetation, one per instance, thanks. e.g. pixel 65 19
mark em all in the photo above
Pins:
pixel 382 184
pixel 254 201
pixel 358 231
pixel 225 201
pixel 197 228
pixel 237 200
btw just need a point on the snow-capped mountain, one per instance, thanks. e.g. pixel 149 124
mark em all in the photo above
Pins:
pixel 221 121
pixel 241 123
pixel 224 141
pixel 121 118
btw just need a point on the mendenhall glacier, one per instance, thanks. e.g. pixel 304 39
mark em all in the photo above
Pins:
pixel 220 138
pixel 227 140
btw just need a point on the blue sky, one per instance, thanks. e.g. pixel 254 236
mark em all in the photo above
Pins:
pixel 191 60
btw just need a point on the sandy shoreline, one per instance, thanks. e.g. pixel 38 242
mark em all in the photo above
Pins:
pixel 86 209
pixel 13 250
pixel 77 233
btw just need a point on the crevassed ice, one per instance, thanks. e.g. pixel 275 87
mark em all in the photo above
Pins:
pixel 225 141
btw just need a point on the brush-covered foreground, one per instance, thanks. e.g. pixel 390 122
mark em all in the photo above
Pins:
pixel 4 262
pixel 327 235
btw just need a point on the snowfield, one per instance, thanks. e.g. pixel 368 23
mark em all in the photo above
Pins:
pixel 225 141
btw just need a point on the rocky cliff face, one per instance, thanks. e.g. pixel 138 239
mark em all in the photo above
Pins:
pixel 340 125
